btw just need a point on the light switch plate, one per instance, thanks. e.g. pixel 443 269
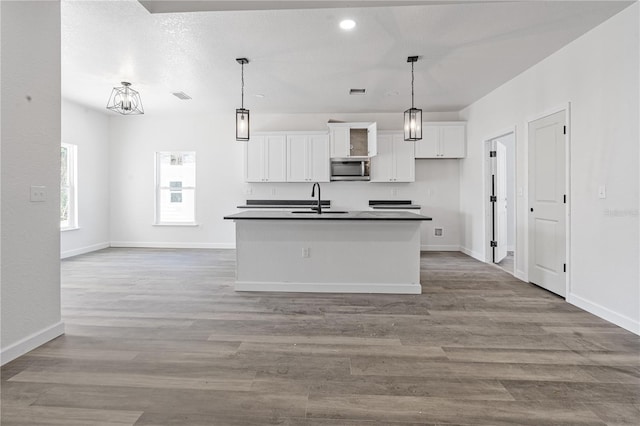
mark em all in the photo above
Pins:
pixel 602 191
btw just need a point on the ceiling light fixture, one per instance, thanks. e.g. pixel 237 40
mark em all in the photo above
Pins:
pixel 348 24
pixel 412 116
pixel 242 115
pixel 125 100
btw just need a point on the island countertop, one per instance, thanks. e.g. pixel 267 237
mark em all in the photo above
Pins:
pixel 329 215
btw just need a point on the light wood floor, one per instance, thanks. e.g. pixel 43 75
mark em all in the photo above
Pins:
pixel 159 337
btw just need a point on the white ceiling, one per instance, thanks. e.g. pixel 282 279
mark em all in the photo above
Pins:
pixel 302 62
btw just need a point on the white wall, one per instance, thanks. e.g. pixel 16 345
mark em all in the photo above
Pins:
pixel 508 141
pixel 30 105
pixel 89 130
pixel 220 178
pixel 598 74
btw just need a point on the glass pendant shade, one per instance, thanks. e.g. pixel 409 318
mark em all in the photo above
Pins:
pixel 413 124
pixel 242 124
pixel 125 100
pixel 242 114
pixel 412 116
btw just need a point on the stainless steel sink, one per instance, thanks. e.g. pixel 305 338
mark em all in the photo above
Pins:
pixel 323 212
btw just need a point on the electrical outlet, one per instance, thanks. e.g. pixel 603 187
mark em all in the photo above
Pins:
pixel 437 232
pixel 273 191
pixel 38 193
pixel 306 252
pixel 394 192
pixel 248 190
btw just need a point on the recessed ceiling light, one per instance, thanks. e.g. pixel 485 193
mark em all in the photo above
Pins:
pixel 348 24
pixel 259 95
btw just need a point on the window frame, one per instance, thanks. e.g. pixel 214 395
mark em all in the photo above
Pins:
pixel 158 189
pixel 72 174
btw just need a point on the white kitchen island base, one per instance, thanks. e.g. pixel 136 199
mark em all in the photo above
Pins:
pixel 337 256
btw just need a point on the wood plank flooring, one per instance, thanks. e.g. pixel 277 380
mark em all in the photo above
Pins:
pixel 159 337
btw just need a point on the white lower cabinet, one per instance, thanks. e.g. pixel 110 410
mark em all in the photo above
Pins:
pixel 308 158
pixel 442 140
pixel 266 159
pixel 395 161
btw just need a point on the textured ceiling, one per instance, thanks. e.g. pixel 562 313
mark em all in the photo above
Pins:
pixel 302 62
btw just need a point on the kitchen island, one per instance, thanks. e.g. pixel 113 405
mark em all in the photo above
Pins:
pixel 336 252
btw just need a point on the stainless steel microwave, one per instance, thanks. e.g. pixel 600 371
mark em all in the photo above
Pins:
pixel 350 168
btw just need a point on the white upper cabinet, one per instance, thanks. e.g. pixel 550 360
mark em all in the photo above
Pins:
pixel 297 159
pixel 308 158
pixel 339 142
pixel 395 161
pixel 319 162
pixel 353 139
pixel 442 140
pixel 266 159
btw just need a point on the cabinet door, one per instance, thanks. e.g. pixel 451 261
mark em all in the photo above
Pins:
pixel 427 147
pixel 297 159
pixel 318 158
pixel 382 164
pixel 276 158
pixel 254 159
pixel 340 142
pixel 452 141
pixel 372 139
pixel 404 160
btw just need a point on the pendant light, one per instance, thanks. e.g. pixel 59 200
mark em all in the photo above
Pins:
pixel 125 100
pixel 412 116
pixel 242 114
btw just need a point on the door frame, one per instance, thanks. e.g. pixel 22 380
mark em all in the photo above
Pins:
pixel 488 222
pixel 566 107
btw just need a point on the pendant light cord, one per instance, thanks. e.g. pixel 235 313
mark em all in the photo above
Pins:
pixel 242 101
pixel 411 85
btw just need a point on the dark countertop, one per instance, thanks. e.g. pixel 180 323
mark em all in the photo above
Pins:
pixel 352 215
pixel 397 206
pixel 283 204
pixel 393 204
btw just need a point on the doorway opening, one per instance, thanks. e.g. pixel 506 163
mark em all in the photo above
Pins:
pixel 501 205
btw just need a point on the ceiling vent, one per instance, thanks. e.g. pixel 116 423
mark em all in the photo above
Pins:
pixel 181 95
pixel 357 91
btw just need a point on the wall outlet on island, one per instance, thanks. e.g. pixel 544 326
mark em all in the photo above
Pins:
pixel 306 252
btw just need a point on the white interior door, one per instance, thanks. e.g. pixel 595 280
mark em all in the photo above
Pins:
pixel 547 213
pixel 501 202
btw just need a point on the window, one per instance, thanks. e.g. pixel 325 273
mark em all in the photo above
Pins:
pixel 68 187
pixel 175 188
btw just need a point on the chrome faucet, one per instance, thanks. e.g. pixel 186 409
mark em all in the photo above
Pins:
pixel 313 193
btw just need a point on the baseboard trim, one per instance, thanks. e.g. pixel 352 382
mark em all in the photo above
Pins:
pixel 31 342
pixel 605 313
pixel 472 253
pixel 137 244
pixel 329 287
pixel 432 247
pixel 521 275
pixel 82 250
